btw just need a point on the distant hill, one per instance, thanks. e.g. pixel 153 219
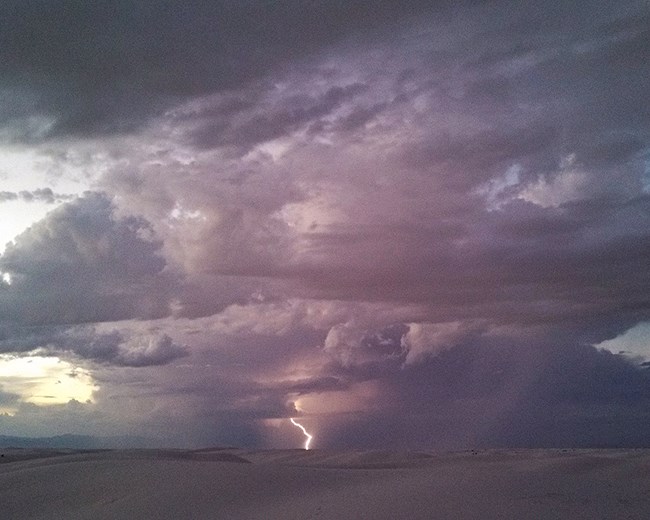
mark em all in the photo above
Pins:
pixel 78 442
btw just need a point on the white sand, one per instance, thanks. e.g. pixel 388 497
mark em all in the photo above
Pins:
pixel 294 484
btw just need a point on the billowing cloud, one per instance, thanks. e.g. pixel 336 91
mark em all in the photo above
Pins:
pixel 83 264
pixel 411 223
pixel 123 348
pixel 145 352
pixel 352 345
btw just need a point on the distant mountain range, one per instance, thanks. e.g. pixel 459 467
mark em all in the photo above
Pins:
pixel 78 442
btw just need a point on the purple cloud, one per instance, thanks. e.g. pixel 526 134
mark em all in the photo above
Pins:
pixel 412 224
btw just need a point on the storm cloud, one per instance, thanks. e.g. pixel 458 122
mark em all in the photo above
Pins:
pixel 82 265
pixel 76 67
pixel 412 225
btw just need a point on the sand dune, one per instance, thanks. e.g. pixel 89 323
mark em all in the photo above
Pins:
pixel 295 484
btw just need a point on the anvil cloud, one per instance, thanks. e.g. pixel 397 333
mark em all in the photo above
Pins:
pixel 407 223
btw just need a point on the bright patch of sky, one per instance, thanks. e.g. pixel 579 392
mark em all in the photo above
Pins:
pixel 45 380
pixel 566 185
pixel 24 169
pixel 634 343
pixel 496 190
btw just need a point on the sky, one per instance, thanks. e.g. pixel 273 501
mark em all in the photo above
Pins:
pixel 408 225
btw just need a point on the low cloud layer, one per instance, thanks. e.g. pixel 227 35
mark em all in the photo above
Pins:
pixel 45 195
pixel 121 348
pixel 411 225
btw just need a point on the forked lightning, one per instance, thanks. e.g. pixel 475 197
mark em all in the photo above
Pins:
pixel 309 437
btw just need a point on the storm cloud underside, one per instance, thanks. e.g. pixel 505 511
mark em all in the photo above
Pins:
pixel 407 225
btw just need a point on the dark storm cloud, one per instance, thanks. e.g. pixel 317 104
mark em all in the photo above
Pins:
pixel 502 396
pixel 112 348
pixel 482 153
pixel 413 210
pixel 408 223
pixel 272 122
pixel 117 349
pixel 569 267
pixel 320 384
pixel 87 67
pixel 83 264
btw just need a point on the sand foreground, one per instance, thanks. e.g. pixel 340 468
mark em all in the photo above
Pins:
pixel 295 484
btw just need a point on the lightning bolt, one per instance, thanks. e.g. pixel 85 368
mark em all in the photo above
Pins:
pixel 309 437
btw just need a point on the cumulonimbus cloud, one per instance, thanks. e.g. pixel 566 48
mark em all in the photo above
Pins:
pixel 424 214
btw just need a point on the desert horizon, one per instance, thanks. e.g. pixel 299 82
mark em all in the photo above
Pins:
pixel 411 236
pixel 222 482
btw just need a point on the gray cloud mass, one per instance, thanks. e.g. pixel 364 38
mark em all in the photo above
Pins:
pixel 410 224
pixel 80 264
